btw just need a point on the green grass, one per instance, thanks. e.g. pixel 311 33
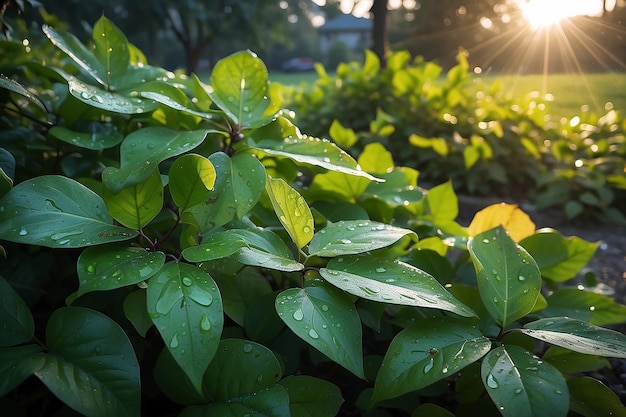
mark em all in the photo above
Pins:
pixel 570 91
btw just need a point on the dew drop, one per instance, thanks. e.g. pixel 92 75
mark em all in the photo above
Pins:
pixel 205 324
pixel 23 232
pixel 313 334
pixel 346 241
pixel 187 281
pixel 91 268
pixel 306 229
pixel 380 270
pixel 521 278
pixel 518 391
pixel 174 341
pixel 324 307
pixel 298 315
pixel 429 366
pixel 491 381
pixel 247 348
pixel 485 240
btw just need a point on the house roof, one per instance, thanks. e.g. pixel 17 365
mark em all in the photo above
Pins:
pixel 347 22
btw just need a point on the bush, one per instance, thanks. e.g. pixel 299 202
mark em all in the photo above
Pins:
pixel 174 248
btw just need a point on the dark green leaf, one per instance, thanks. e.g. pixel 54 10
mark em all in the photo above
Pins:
pixel 584 305
pixel 559 258
pixel 356 236
pixel 270 402
pixel 240 368
pixel 591 398
pixel 143 150
pixel 508 278
pixel 113 266
pixel 191 179
pixel 18 363
pixel 241 291
pixel 56 211
pixel 98 136
pixel 90 364
pixel 520 384
pixel 389 281
pixel 431 410
pixel 292 211
pixel 312 397
pixel 216 246
pixel 136 311
pixel 426 352
pixel 174 382
pixel 111 49
pixel 7 171
pixel 9 84
pixel 16 321
pixel 185 305
pixel 570 362
pixel 325 318
pixel 578 336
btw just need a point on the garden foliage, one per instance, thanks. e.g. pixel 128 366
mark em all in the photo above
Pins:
pixel 178 248
pixel 455 126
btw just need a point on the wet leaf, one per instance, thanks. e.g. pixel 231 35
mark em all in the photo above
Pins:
pixel 292 211
pixel 191 179
pixel 111 49
pixel 99 136
pixel 263 259
pixel 107 100
pixel 15 87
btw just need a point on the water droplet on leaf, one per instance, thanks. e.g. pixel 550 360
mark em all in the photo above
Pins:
pixel 491 381
pixel 298 315
pixel 174 341
pixel 313 334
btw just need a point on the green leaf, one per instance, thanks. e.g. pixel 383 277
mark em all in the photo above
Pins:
pixel 584 305
pixel 442 202
pixel 520 384
pixel 16 321
pixel 90 364
pixel 185 305
pixel 108 267
pixel 240 85
pixel 313 151
pixel 325 318
pixel 570 362
pixel 111 49
pixel 175 98
pixel 240 368
pixel 174 383
pixel 239 183
pixel 241 291
pixel 270 402
pixel 292 211
pixel 559 258
pixel 508 278
pixel 7 171
pixel 389 281
pixel 578 336
pixel 106 100
pixel 344 137
pixel 591 398
pixel 427 352
pixel 99 136
pixel 136 311
pixel 18 363
pixel 353 237
pixel 15 87
pixel 143 150
pixel 261 258
pixel 191 179
pixel 56 211
pixel 431 410
pixel 217 245
pixel 339 185
pixel 312 397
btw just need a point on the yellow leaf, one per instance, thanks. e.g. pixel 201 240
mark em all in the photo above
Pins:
pixel 510 216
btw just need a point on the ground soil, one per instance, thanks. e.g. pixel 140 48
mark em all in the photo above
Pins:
pixel 608 264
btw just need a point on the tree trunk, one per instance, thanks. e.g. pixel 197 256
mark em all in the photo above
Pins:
pixel 379 31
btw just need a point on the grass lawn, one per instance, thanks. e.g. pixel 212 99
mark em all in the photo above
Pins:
pixel 570 91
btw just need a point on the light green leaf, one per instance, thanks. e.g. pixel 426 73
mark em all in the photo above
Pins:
pixel 240 368
pixel 111 49
pixel 591 398
pixel 578 336
pixel 559 258
pixel 143 150
pixel 398 190
pixel 191 178
pixel 18 363
pixel 520 384
pixel 136 205
pixel 16 321
pixel 185 305
pixel 96 136
pixel 292 211
pixel 312 397
pixel 56 211
pixel 427 352
pixel 263 259
pixel 442 202
pixel 584 305
pixel 239 184
pixel 90 364
pixel 508 278
pixel 325 318
pixel 107 267
pixel 313 151
pixel 389 281
pixel 240 88
pixel 355 236
pixel 341 186
pixel 270 402
pixel 342 136
pixel 15 87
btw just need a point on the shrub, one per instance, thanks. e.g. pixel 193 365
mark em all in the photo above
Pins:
pixel 179 248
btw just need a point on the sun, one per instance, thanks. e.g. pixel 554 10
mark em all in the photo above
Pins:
pixel 545 13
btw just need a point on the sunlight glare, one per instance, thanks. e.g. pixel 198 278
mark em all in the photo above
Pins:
pixel 544 13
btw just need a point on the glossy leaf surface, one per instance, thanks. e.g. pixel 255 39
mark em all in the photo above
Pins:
pixel 111 49
pixel 113 266
pixel 354 237
pixel 292 211
pixel 90 364
pixel 508 278
pixel 15 87
pixel 427 352
pixel 388 281
pixel 100 136
pixel 584 305
pixel 191 179
pixel 56 211
pixel 325 318
pixel 261 258
pixel 185 305
pixel 16 321
pixel 591 398
pixel 142 151
pixel 520 384
pixel 578 336
pixel 312 397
